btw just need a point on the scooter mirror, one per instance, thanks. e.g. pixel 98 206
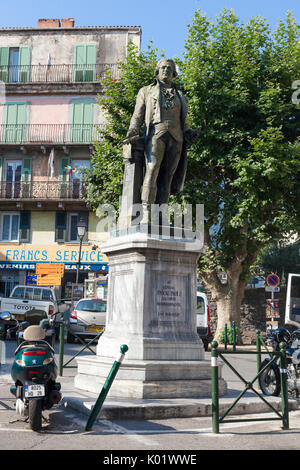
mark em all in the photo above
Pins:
pixel 5 316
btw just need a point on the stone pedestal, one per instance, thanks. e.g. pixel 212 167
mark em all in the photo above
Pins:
pixel 152 309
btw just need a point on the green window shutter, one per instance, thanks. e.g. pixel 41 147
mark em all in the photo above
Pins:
pixel 24 226
pixel 85 62
pixel 61 220
pixel 24 64
pixel 79 62
pixel 10 130
pixel 82 122
pixel 15 122
pixel 91 51
pixel 26 177
pixel 64 177
pixel 4 63
pixel 60 226
pixel 88 121
pixel 26 169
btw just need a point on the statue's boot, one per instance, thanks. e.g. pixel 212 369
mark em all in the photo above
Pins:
pixel 148 197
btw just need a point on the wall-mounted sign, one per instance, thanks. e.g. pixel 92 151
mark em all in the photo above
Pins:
pixel 50 253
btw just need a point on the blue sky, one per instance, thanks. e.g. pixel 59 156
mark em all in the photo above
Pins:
pixel 163 21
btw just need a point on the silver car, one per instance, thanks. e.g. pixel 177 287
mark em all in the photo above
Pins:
pixel 87 320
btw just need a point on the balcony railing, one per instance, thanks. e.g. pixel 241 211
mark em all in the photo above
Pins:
pixel 48 133
pixel 53 190
pixel 65 73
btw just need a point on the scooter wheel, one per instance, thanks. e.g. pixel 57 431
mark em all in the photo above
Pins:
pixel 35 414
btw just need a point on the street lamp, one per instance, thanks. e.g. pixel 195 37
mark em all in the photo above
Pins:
pixel 81 231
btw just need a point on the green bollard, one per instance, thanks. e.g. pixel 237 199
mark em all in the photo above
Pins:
pixel 105 389
pixel 284 388
pixel 225 336
pixel 215 387
pixel 233 336
pixel 61 347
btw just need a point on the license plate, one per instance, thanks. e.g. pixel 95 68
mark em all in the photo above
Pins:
pixel 20 317
pixel 94 328
pixel 36 390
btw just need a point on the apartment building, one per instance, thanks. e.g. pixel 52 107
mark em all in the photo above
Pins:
pixel 48 121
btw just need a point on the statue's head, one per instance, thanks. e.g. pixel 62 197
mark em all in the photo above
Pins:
pixel 164 66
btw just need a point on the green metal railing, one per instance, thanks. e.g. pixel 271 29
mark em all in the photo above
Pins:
pixel 216 418
pixel 61 365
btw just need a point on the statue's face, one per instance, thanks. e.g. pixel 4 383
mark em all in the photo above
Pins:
pixel 165 72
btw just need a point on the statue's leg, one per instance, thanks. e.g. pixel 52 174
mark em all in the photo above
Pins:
pixel 167 170
pixel 155 150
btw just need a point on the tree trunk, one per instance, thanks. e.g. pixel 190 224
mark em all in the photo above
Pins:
pixel 228 298
pixel 229 309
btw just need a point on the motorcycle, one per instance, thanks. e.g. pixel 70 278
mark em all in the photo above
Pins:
pixel 34 372
pixel 269 380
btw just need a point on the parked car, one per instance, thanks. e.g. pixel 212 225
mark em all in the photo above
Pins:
pixel 203 320
pixel 87 320
pixel 30 303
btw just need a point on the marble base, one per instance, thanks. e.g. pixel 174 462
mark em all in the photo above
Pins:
pixel 149 379
pixel 152 309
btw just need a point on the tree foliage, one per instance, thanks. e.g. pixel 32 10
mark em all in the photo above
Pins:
pixel 245 166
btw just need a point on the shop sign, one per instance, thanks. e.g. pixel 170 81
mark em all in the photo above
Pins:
pixel 53 254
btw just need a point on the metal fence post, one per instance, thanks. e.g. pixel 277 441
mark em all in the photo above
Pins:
pixel 215 387
pixel 258 350
pixel 233 336
pixel 225 336
pixel 61 347
pixel 105 389
pixel 284 389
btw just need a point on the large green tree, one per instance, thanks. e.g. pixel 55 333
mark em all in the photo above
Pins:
pixel 245 167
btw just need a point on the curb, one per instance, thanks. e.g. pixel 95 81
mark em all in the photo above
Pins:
pixel 171 409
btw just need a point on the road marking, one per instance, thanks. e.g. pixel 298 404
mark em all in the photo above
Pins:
pixel 138 435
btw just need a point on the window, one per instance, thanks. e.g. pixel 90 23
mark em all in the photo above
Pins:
pixel 73 219
pixel 47 295
pixel 77 188
pixel 10 227
pixel 200 306
pixel 12 178
pixel 85 62
pixel 15 64
pixel 19 293
pixel 92 305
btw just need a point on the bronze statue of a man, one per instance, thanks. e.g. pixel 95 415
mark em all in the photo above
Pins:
pixel 163 109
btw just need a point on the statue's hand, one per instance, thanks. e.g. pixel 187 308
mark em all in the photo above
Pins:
pixel 131 140
pixel 191 135
pixel 132 136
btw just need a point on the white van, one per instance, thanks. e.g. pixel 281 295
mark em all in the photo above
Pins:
pixel 292 307
pixel 203 320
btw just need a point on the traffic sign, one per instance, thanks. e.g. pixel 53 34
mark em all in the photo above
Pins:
pixel 273 280
pixel 272 289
